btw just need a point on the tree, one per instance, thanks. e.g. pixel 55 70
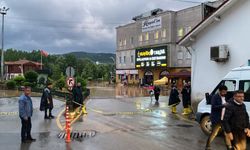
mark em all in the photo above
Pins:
pixel 19 80
pixel 60 84
pixel 31 77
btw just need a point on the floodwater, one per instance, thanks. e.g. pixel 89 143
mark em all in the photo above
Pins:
pixel 120 91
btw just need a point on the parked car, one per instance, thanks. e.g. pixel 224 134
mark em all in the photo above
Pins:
pixel 236 79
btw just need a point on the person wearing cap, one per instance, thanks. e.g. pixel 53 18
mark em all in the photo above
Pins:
pixel 47 102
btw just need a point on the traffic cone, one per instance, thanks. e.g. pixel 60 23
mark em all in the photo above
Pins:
pixel 67 126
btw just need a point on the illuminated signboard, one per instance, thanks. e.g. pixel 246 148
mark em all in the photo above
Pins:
pixel 151 57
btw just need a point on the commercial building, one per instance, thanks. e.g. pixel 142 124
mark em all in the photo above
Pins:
pixel 147 49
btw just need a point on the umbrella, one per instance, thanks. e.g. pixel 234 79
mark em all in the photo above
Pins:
pixel 162 81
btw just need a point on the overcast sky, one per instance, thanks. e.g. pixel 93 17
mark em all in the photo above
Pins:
pixel 61 26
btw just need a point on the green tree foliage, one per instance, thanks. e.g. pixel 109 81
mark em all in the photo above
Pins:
pixel 19 80
pixel 11 84
pixel 84 67
pixel 41 81
pixel 60 84
pixel 31 77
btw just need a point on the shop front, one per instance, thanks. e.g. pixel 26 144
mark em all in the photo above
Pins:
pixel 151 64
pixel 127 76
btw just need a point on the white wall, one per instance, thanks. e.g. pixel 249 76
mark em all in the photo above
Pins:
pixel 234 31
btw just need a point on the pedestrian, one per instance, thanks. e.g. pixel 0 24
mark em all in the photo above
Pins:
pixel 78 97
pixel 218 103
pixel 47 101
pixel 174 99
pixel 236 121
pixel 25 114
pixel 157 92
pixel 186 99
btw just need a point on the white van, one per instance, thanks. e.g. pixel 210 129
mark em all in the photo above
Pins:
pixel 236 79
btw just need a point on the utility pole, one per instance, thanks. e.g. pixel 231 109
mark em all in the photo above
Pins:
pixel 3 11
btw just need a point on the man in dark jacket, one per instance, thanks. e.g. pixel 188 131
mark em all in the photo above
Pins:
pixel 236 121
pixel 25 114
pixel 174 99
pixel 77 94
pixel 47 102
pixel 157 92
pixel 186 98
pixel 218 103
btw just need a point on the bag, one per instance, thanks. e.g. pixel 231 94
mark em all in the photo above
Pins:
pixel 42 103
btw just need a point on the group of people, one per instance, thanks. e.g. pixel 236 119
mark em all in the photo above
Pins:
pixel 174 98
pixel 46 105
pixel 230 117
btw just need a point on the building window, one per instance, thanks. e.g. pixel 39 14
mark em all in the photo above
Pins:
pixel 188 55
pixel 140 38
pixel 146 36
pixel 180 55
pixel 120 60
pixel 187 29
pixel 164 33
pixel 124 59
pixel 132 40
pixel 124 42
pixel 180 32
pixel 120 43
pixel 131 77
pixel 132 59
pixel 156 35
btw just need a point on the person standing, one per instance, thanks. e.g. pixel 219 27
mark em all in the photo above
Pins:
pixel 157 92
pixel 78 97
pixel 218 103
pixel 25 114
pixel 174 99
pixel 186 99
pixel 47 102
pixel 236 121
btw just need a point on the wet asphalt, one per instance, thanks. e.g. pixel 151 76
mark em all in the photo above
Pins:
pixel 113 122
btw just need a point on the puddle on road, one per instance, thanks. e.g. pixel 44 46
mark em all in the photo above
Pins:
pixel 184 125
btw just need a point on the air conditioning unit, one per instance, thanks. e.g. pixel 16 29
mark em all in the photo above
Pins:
pixel 219 53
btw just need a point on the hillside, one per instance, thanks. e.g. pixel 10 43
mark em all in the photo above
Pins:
pixel 100 57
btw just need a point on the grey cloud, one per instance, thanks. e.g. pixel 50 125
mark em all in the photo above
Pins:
pixel 61 26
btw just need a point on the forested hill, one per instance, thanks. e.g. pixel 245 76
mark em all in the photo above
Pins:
pixel 100 57
pixel 14 55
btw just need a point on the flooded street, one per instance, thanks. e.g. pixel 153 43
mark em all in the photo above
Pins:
pixel 121 118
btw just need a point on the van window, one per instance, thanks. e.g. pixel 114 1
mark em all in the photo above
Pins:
pixel 231 85
pixel 245 86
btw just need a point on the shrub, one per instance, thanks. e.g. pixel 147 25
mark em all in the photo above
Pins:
pixel 28 84
pixel 19 80
pixel 41 81
pixel 31 76
pixel 60 83
pixel 11 84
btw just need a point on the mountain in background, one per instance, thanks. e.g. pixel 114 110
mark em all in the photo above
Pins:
pixel 100 57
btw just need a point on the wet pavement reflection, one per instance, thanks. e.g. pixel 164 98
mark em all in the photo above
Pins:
pixel 127 120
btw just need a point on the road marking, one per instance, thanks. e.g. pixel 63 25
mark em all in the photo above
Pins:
pixel 62 127
pixel 9 113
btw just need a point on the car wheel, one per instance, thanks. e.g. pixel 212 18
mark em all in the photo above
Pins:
pixel 206 125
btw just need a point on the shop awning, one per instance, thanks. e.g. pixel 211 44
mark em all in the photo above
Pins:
pixel 179 74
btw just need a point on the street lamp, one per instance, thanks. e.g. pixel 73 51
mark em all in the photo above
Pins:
pixel 3 11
